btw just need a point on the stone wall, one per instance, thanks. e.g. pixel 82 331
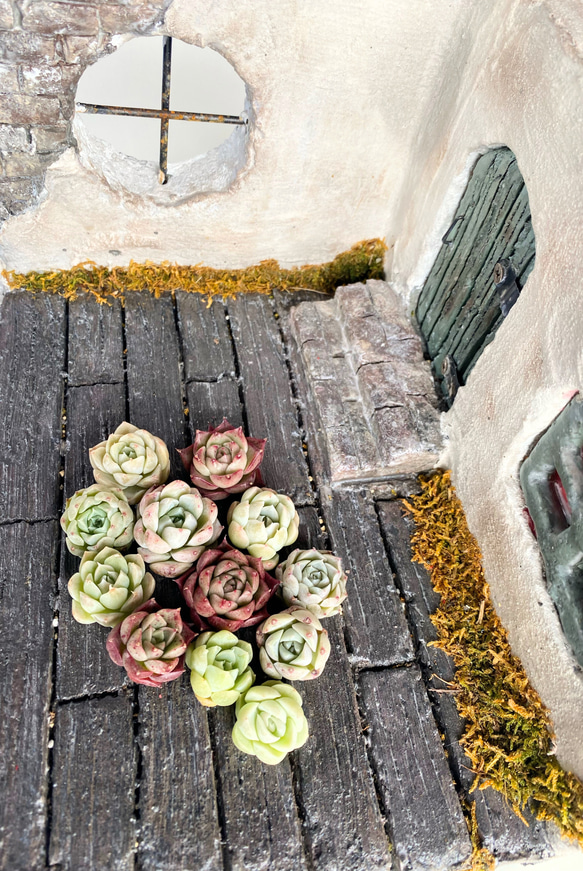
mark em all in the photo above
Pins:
pixel 44 48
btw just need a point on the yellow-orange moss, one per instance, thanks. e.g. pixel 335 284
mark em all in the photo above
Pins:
pixel 508 735
pixel 364 260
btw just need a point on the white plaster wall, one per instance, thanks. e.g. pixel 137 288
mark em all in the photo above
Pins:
pixel 522 86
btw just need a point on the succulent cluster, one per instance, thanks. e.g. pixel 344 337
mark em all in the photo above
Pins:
pixel 225 585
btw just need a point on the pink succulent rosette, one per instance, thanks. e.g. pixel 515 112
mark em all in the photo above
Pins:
pixel 176 525
pixel 150 644
pixel 223 460
pixel 228 589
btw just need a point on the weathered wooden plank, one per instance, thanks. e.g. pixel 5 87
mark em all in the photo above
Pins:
pixel 83 664
pixel 342 822
pixel 210 401
pixel 504 833
pixel 376 629
pixel 206 338
pixel 462 236
pixel 28 556
pixel 94 774
pixel 179 826
pixel 95 342
pixel 427 824
pixel 269 403
pixel 153 372
pixel 32 358
pixel 260 820
pixel 311 533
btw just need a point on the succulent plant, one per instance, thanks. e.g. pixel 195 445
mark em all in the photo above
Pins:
pixel 219 664
pixel 314 580
pixel 263 522
pixel 176 524
pixel 270 722
pixel 228 589
pixel 132 459
pixel 97 517
pixel 150 644
pixel 223 461
pixel 109 586
pixel 293 645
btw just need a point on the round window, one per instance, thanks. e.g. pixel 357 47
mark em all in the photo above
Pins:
pixel 163 119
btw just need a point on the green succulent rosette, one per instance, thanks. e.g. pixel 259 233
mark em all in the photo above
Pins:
pixel 270 722
pixel 219 664
pixel 97 517
pixel 293 645
pixel 132 459
pixel 109 586
pixel 314 580
pixel 262 523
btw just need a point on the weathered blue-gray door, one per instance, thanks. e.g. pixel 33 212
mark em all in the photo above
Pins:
pixel 459 308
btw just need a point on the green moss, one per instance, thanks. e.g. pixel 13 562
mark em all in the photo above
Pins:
pixel 508 735
pixel 362 261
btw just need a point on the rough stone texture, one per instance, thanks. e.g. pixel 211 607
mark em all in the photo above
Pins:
pixel 373 393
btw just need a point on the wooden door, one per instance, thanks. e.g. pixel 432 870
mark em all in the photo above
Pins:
pixel 458 310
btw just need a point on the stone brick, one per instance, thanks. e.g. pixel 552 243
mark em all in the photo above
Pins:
pixel 51 18
pixel 6 15
pixel 14 139
pixel 18 194
pixel 47 139
pixel 20 165
pixel 22 109
pixel 392 383
pixel 138 19
pixel 17 45
pixel 80 49
pixel 402 438
pixel 41 80
pixel 8 80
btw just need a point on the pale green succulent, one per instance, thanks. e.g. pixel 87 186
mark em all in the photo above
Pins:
pixel 262 523
pixel 109 586
pixel 314 580
pixel 97 517
pixel 220 672
pixel 132 459
pixel 270 722
pixel 293 645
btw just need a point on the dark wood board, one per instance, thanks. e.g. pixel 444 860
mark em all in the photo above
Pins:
pixel 153 372
pixel 260 820
pixel 94 775
pixel 504 833
pixel 95 342
pixel 83 664
pixel 376 628
pixel 210 401
pixel 179 825
pixel 311 533
pixel 269 403
pixel 32 360
pixel 426 821
pixel 28 554
pixel 206 338
pixel 342 822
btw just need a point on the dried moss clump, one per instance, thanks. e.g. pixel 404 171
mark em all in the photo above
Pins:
pixel 362 261
pixel 508 735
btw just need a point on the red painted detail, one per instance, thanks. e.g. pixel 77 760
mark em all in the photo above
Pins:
pixel 560 499
pixel 528 516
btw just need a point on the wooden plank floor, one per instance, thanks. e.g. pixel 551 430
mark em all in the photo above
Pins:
pixel 97 773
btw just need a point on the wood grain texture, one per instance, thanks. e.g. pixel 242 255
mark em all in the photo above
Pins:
pixel 268 395
pixel 32 359
pixel 342 823
pixel 27 587
pixel 504 833
pixel 95 342
pixel 153 372
pixel 179 826
pixel 94 773
pixel 83 664
pixel 376 628
pixel 259 815
pixel 206 338
pixel 311 532
pixel 209 402
pixel 427 825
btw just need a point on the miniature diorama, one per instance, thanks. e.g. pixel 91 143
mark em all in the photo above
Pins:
pixel 291 572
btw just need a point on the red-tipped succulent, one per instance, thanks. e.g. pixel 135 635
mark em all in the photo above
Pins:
pixel 150 644
pixel 223 461
pixel 228 589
